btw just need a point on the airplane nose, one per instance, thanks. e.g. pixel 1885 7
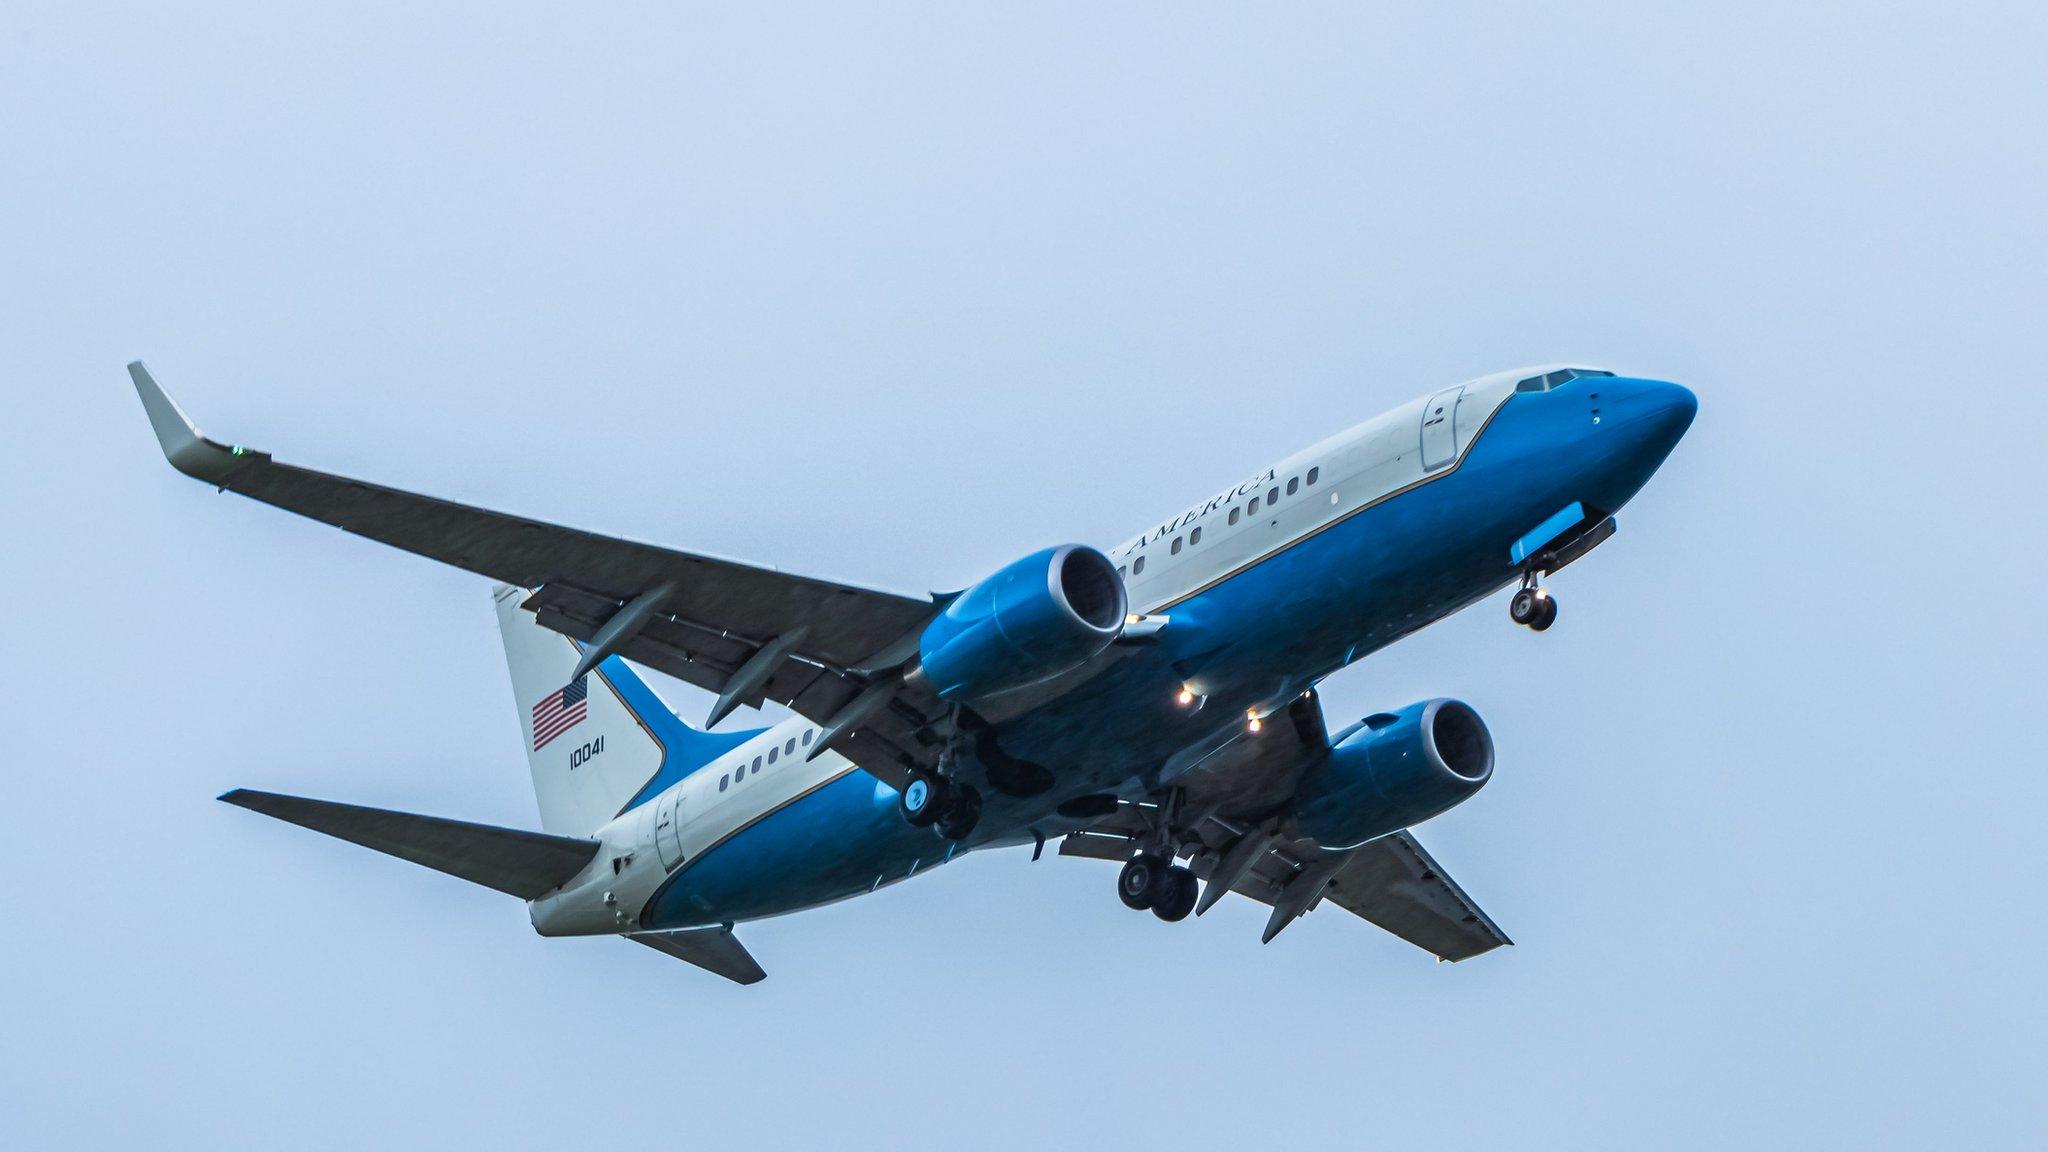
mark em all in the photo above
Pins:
pixel 1655 413
pixel 1636 424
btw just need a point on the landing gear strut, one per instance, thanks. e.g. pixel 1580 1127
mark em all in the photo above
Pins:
pixel 1532 606
pixel 928 800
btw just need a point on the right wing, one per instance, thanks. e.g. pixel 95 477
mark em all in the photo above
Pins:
pixel 820 644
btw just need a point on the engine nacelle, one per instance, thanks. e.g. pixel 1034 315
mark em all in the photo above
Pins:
pixel 1034 619
pixel 1398 770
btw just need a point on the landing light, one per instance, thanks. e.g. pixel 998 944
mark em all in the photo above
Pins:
pixel 1252 722
pixel 1185 698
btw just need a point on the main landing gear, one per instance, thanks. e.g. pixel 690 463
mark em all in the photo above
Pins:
pixel 1153 881
pixel 1532 607
pixel 927 801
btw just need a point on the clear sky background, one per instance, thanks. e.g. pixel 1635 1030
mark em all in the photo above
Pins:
pixel 895 293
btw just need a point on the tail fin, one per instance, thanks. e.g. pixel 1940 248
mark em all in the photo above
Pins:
pixel 598 746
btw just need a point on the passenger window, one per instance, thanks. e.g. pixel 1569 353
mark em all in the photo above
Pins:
pixel 1253 506
pixel 772 753
pixel 1273 497
pixel 1195 537
pixel 1138 567
pixel 739 773
pixel 1314 474
pixel 789 747
pixel 1234 513
pixel 1119 571
pixel 723 781
pixel 1293 485
pixel 1176 546
pixel 807 737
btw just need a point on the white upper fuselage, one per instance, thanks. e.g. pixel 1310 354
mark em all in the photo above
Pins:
pixel 1305 493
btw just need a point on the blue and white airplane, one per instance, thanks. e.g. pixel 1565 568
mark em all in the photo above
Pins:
pixel 1153 703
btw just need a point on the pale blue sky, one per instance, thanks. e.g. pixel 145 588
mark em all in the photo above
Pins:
pixel 895 293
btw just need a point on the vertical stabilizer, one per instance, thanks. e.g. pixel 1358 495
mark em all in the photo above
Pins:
pixel 589 753
pixel 597 744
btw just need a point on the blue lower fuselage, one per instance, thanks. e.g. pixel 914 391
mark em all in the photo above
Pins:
pixel 1255 638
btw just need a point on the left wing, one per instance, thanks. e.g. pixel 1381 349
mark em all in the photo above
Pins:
pixel 1228 797
pixel 746 632
pixel 1398 886
pixel 1391 882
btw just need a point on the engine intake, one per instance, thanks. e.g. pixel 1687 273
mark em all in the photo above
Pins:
pixel 1395 771
pixel 1034 619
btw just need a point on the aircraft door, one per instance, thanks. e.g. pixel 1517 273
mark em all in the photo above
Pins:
pixel 1439 436
pixel 667 831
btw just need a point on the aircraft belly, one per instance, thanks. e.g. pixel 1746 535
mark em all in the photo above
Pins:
pixel 841 840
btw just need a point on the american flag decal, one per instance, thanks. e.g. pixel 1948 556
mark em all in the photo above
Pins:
pixel 560 712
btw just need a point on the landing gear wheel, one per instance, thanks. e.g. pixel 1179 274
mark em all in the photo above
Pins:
pixel 963 812
pixel 1525 607
pixel 923 799
pixel 1142 882
pixel 1177 895
pixel 1546 613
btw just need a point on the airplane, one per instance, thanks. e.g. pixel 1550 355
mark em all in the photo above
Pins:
pixel 1153 703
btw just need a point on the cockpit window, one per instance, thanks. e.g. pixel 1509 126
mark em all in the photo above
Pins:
pixel 1549 380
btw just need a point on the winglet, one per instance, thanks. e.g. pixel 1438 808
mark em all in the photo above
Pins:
pixel 187 450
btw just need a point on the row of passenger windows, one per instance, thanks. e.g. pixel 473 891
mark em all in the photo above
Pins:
pixel 1237 512
pixel 787 748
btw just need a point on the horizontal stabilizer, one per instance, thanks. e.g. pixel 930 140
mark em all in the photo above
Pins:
pixel 523 864
pixel 715 950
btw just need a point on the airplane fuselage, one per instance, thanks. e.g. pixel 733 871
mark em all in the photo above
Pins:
pixel 1256 594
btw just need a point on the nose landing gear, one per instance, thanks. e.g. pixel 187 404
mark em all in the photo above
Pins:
pixel 1532 607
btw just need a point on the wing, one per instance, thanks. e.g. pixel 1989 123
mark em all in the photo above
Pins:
pixel 1230 796
pixel 746 632
pixel 1391 882
pixel 1396 885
